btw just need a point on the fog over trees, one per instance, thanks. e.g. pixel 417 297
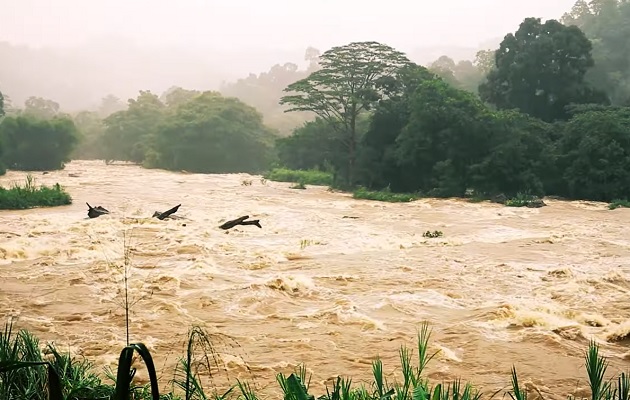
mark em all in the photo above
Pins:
pixel 542 108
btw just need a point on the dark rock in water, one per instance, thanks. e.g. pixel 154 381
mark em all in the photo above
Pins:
pixel 45 173
pixel 499 199
pixel 95 212
pixel 535 203
pixel 240 221
pixel 167 213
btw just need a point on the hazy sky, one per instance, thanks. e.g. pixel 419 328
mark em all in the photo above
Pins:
pixel 273 24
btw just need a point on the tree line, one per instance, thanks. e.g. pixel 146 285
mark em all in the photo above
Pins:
pixel 546 113
pixel 548 118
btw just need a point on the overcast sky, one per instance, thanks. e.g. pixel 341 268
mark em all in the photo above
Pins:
pixel 273 24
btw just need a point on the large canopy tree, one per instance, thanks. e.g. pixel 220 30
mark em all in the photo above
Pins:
pixel 351 79
pixel 32 143
pixel 212 134
pixel 605 23
pixel 128 132
pixel 540 69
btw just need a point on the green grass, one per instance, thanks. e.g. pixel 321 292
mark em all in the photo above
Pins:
pixel 619 204
pixel 20 197
pixel 306 177
pixel 383 195
pixel 26 373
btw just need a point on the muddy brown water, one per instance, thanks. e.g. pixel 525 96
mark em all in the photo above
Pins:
pixel 503 286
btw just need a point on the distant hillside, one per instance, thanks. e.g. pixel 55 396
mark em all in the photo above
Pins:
pixel 78 78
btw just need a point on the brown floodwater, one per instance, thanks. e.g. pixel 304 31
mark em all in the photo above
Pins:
pixel 328 281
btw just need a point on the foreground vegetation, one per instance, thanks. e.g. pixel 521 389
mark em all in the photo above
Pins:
pixel 27 373
pixel 29 195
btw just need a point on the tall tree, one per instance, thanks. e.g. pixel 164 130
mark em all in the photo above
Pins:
pixel 351 79
pixel 378 165
pixel 128 133
pixel 212 134
pixel 91 128
pixel 109 105
pixel 176 96
pixel 34 143
pixel 1 105
pixel 595 154
pixel 40 107
pixel 449 130
pixel 484 61
pixel 463 75
pixel 540 69
pixel 605 23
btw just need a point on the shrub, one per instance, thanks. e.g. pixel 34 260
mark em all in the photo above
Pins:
pixel 19 197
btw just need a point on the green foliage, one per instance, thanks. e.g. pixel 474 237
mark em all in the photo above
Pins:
pixel 3 169
pixel 35 144
pixel 619 203
pixel 19 197
pixel 91 127
pixel 311 146
pixel 193 131
pixel 605 23
pixel 109 105
pixel 384 195
pixel 464 75
pixel 176 96
pixel 540 69
pixel 1 105
pixel 41 108
pixel 448 131
pixel 521 200
pixel 212 134
pixel 595 154
pixel 378 158
pixel 520 156
pixel 427 136
pixel 22 375
pixel 129 133
pixel 306 177
pixel 351 79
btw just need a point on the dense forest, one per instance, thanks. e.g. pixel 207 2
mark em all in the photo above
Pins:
pixel 546 113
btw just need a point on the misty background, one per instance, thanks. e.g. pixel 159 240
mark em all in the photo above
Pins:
pixel 77 52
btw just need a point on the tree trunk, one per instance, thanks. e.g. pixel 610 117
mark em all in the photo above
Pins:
pixel 352 147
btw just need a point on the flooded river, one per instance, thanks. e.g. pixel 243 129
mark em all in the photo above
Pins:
pixel 328 281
